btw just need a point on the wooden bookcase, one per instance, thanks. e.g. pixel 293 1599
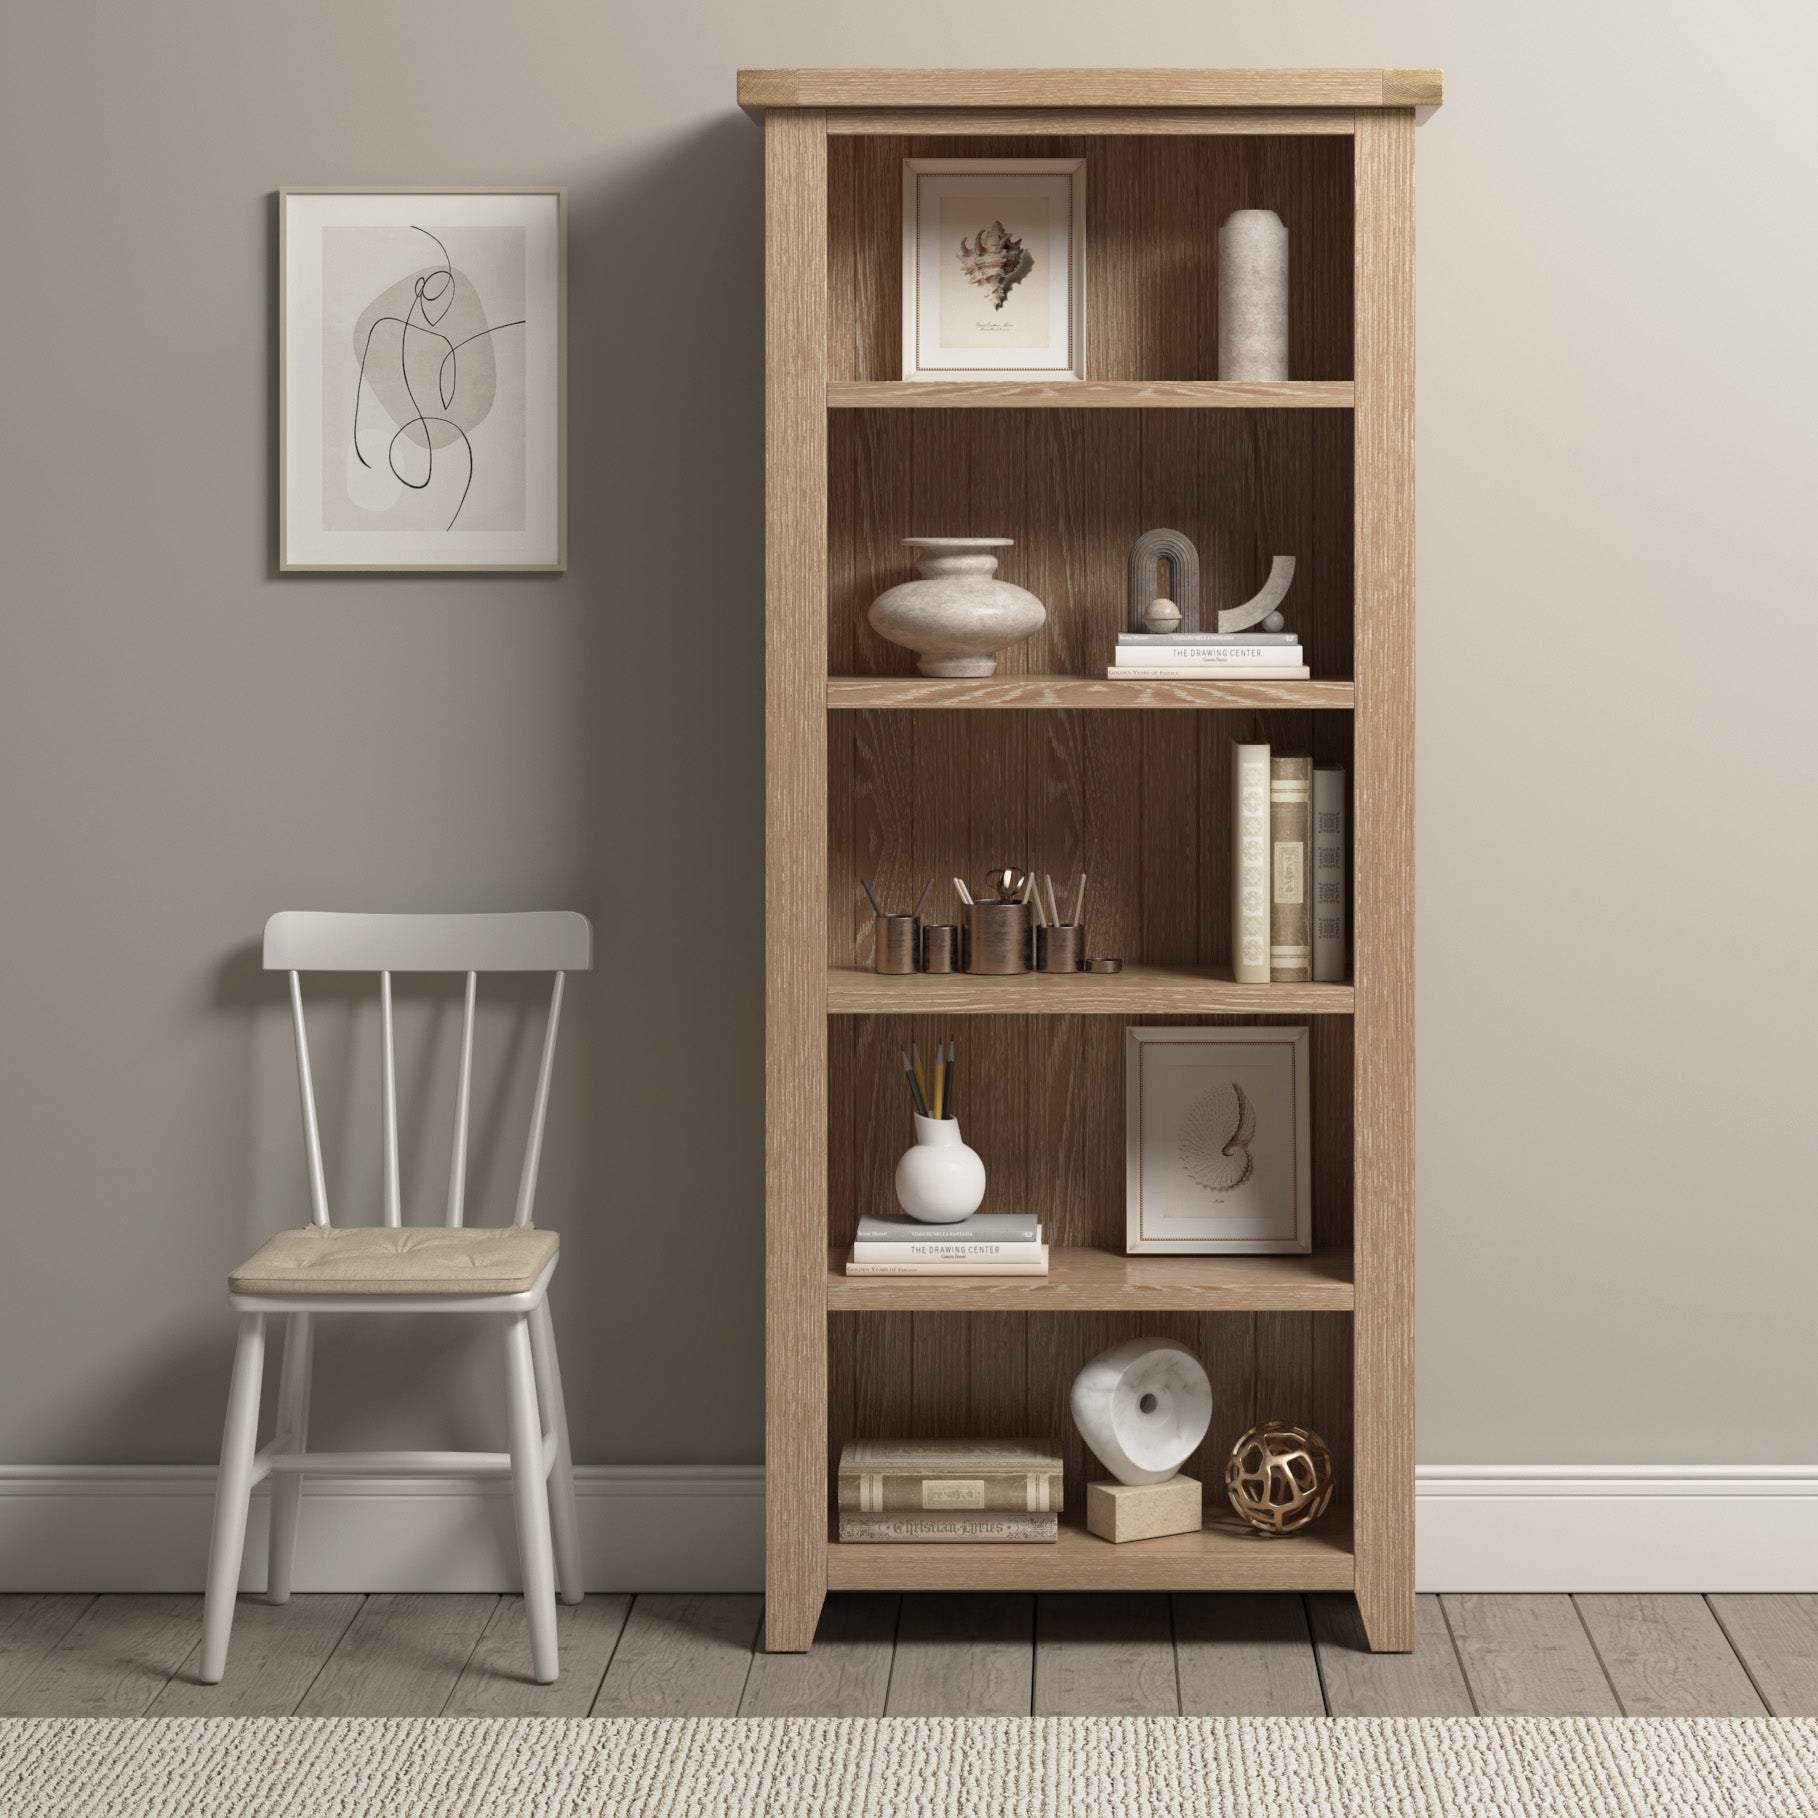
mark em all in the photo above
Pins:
pixel 872 770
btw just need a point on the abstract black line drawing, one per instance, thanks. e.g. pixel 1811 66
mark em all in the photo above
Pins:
pixel 434 294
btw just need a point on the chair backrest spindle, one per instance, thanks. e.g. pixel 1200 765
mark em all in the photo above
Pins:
pixel 457 1162
pixel 312 1134
pixel 533 1150
pixel 388 1046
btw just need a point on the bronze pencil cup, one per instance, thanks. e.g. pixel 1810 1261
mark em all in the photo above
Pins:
pixel 997 937
pixel 940 947
pixel 895 943
pixel 1058 948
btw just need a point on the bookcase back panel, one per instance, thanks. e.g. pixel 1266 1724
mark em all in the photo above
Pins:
pixel 1140 800
pixel 1006 1375
pixel 1154 206
pixel 1075 488
pixel 1041 1098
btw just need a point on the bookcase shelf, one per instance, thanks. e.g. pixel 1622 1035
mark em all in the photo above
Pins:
pixel 1086 394
pixel 873 771
pixel 1222 1556
pixel 869 693
pixel 1136 991
pixel 1083 1280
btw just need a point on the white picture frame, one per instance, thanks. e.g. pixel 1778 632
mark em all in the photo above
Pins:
pixel 1218 1150
pixel 474 280
pixel 967 318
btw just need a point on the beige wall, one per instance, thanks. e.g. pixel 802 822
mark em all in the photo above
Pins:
pixel 1617 366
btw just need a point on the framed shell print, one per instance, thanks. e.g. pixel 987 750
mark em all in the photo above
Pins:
pixel 994 268
pixel 421 354
pixel 1218 1157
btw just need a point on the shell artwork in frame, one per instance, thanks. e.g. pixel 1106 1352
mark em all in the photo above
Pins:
pixel 1215 1138
pixel 995 261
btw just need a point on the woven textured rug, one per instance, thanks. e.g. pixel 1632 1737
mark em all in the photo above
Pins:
pixel 1180 1767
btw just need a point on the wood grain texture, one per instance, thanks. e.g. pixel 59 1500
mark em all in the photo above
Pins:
pixel 1042 691
pixel 847 1674
pixel 112 1661
pixel 1383 895
pixel 1087 394
pixel 1105 1281
pixel 1108 1656
pixel 681 1656
pixel 1776 1638
pixel 1221 1557
pixel 402 1656
pixel 1153 208
pixel 31 1625
pixel 1667 1657
pixel 963 1657
pixel 1245 1656
pixel 1528 1656
pixel 795 1178
pixel 1096 122
pixel 1136 991
pixel 1116 88
pixel 496 1681
pixel 274 1657
pixel 1428 1682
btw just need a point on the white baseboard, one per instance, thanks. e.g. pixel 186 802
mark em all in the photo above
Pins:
pixel 145 1528
pixel 1616 1528
pixel 701 1528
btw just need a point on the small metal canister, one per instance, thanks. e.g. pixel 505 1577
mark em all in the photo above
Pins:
pixel 997 937
pixel 1058 948
pixel 940 947
pixel 895 943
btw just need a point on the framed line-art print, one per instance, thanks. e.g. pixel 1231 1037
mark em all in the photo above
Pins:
pixel 421 361
pixel 1218 1156
pixel 994 268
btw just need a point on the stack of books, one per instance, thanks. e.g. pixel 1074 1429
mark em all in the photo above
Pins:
pixel 987 1243
pixel 1206 655
pixel 948 1490
pixel 1287 869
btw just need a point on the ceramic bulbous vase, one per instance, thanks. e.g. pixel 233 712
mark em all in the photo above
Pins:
pixel 958 615
pixel 940 1181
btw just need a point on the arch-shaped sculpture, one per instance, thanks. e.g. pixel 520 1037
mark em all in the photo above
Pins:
pixel 1260 606
pixel 1146 555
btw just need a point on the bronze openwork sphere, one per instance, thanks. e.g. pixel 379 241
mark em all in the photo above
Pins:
pixel 1279 1477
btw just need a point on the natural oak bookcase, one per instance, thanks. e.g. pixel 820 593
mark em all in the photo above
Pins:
pixel 875 771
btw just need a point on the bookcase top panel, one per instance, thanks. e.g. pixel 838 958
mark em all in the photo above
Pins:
pixel 1048 88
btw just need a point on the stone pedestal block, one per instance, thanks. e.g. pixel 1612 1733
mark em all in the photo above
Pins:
pixel 1143 1511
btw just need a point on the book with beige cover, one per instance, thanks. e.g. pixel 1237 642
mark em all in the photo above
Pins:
pixel 1290 869
pixel 1250 864
pixel 950 1477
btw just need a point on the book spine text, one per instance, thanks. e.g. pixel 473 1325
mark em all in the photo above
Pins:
pixel 1290 861
pixel 1250 864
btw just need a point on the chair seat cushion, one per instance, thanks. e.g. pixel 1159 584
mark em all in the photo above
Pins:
pixel 381 1259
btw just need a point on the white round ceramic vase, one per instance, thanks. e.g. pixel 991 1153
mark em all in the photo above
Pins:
pixel 940 1181
pixel 1142 1407
pixel 958 615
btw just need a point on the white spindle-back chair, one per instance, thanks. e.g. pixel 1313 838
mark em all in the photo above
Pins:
pixel 388 1269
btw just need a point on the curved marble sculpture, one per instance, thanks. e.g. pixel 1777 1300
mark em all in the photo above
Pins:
pixel 1143 1406
pixel 1146 555
pixel 1259 610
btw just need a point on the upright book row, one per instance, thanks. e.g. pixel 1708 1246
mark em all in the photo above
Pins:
pixel 1288 869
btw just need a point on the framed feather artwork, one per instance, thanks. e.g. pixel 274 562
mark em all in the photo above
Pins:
pixel 1218 1153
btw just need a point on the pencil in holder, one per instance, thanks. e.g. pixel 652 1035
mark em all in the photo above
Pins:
pixel 940 947
pixel 997 937
pixel 1058 947
pixel 895 943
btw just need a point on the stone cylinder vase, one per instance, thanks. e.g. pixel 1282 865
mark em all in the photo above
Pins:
pixel 940 1181
pixel 1253 296
pixel 958 615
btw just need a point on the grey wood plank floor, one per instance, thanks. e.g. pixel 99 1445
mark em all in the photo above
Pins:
pixel 878 1655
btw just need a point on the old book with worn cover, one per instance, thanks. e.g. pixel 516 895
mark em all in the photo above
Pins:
pixel 1328 876
pixel 948 1528
pixel 1290 869
pixel 950 1476
pixel 1250 864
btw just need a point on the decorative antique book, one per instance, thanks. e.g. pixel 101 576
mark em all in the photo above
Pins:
pixel 949 1529
pixel 980 1228
pixel 949 1476
pixel 1328 876
pixel 1208 656
pixel 1182 640
pixel 1250 864
pixel 935 1250
pixel 958 1264
pixel 1206 672
pixel 1290 862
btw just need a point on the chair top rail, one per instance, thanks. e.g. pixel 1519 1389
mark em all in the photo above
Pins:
pixel 535 940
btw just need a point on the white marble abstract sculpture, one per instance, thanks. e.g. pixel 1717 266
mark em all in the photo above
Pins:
pixel 1260 609
pixel 1143 1407
pixel 1253 296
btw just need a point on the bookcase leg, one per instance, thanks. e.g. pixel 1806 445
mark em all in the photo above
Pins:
pixel 790 1621
pixel 1388 1617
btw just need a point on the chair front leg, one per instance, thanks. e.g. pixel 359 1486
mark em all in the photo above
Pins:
pixel 530 1497
pixel 293 1436
pixel 563 1518
pixel 233 1492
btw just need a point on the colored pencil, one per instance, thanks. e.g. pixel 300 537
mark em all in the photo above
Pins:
pixel 922 898
pixel 951 1061
pixel 921 1079
pixel 965 895
pixel 1079 900
pixel 875 910
pixel 915 1091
